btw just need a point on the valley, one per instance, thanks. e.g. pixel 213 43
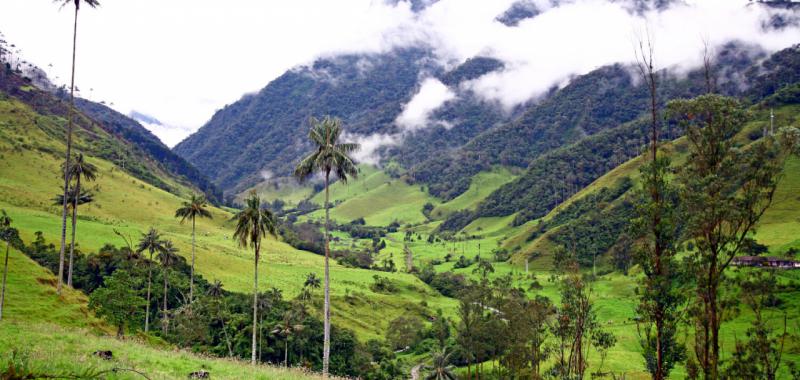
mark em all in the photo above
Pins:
pixel 599 227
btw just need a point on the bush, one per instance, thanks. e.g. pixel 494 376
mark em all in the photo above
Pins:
pixel 383 285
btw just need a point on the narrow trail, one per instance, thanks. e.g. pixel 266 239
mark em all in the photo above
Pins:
pixel 415 372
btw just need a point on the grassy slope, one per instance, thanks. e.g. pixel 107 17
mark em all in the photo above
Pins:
pixel 29 181
pixel 377 198
pixel 614 293
pixel 482 184
pixel 58 335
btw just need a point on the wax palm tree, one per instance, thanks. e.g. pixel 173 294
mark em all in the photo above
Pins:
pixel 5 234
pixel 152 243
pixel 168 257
pixel 312 282
pixel 440 367
pixel 286 328
pixel 253 223
pixel 194 208
pixel 329 156
pixel 75 198
pixel 217 294
pixel 78 169
pixel 93 4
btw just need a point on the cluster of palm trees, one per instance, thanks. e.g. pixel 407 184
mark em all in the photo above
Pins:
pixel 167 255
pixel 65 202
pixel 78 169
pixel 196 207
pixel 253 223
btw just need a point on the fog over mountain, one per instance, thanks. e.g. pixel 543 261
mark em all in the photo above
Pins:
pixel 542 43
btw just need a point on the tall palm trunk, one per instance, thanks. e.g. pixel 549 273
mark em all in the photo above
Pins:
pixel 326 347
pixel 286 353
pixel 255 304
pixel 5 273
pixel 68 153
pixel 166 321
pixel 225 331
pixel 149 281
pixel 191 276
pixel 74 224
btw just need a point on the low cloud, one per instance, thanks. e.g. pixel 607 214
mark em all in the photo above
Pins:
pixel 218 61
pixel 370 145
pixel 432 94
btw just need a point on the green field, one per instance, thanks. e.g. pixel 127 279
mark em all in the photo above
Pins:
pixel 377 198
pixel 57 335
pixel 30 181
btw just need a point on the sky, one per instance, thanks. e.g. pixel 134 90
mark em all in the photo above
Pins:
pixel 181 60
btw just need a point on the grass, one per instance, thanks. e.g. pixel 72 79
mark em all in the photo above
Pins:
pixel 30 181
pixel 481 186
pixel 377 198
pixel 285 189
pixel 57 335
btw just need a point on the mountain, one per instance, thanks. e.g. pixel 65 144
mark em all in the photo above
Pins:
pixel 267 131
pixel 130 130
pixel 603 99
pixel 105 133
pixel 552 178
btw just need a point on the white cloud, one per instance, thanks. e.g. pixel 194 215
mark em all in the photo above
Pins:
pixel 170 135
pixel 180 60
pixel 431 95
pixel 369 145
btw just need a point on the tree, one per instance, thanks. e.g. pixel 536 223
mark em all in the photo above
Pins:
pixel 5 234
pixel 118 300
pixel 658 226
pixel 152 243
pixel 286 328
pixel 312 282
pixel 440 367
pixel 330 156
pixel 217 294
pixel 483 268
pixel 253 223
pixel 725 191
pixel 68 153
pixel 78 169
pixel 760 356
pixel 404 331
pixel 168 257
pixel 194 208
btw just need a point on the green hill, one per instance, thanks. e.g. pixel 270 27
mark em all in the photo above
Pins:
pixel 31 157
pixel 52 335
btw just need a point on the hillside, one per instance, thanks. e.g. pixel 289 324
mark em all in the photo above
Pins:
pixel 131 206
pixel 51 335
pixel 265 133
pixel 101 132
pixel 601 100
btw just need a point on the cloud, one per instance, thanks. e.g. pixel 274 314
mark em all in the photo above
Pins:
pixel 370 145
pixel 192 57
pixel 431 95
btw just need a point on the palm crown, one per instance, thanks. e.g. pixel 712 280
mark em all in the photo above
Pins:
pixel 253 222
pixel 330 155
pixel 151 242
pixel 168 254
pixel 91 3
pixel 80 168
pixel 83 198
pixel 195 207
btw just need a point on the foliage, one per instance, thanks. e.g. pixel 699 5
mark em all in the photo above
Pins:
pixel 404 331
pixel 726 190
pixel 118 301
pixel 383 285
